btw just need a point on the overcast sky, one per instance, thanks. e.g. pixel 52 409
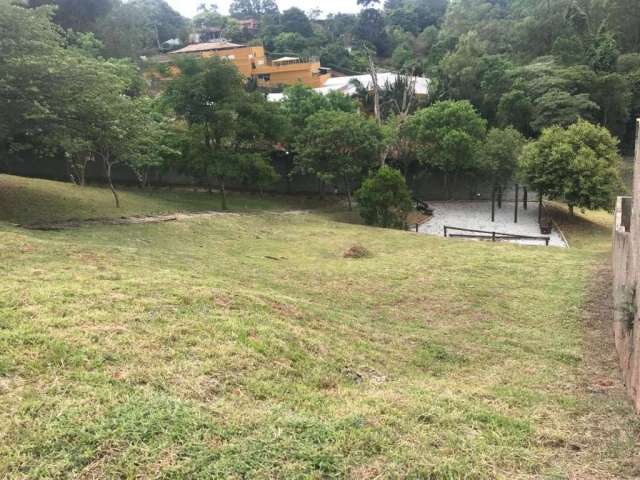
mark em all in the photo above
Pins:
pixel 188 7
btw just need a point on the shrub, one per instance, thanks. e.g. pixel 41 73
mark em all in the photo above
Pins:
pixel 384 199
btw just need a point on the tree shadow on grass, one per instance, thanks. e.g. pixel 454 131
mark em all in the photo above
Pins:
pixel 589 230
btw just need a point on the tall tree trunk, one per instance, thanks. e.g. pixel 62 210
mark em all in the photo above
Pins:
pixel 107 170
pixel 223 193
pixel 83 170
pixel 447 185
pixel 347 189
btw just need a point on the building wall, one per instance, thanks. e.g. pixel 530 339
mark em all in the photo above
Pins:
pixel 242 57
pixel 626 278
pixel 251 61
pixel 292 73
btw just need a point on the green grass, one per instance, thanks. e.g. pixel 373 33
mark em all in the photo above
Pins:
pixel 246 346
pixel 25 200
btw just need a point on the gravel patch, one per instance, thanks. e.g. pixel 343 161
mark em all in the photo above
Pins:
pixel 477 216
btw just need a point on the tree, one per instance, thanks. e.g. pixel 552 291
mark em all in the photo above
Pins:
pixel 77 15
pixel 301 102
pixel 384 199
pixel 139 26
pixel 578 165
pixel 339 147
pixel 158 144
pixel 447 136
pixel 243 9
pixel 558 107
pixel 612 92
pixel 371 29
pixel 31 47
pixel 289 42
pixel 294 20
pixel 516 108
pixel 501 153
pixel 226 123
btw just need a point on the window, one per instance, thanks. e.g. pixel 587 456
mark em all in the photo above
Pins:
pixel 264 76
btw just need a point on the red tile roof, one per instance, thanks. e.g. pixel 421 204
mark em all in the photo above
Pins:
pixel 205 47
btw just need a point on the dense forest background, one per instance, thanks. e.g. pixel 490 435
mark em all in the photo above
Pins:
pixel 526 63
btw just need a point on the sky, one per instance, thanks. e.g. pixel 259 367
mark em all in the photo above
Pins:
pixel 188 8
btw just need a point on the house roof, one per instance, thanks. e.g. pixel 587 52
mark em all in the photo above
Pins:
pixel 208 46
pixel 285 59
pixel 345 85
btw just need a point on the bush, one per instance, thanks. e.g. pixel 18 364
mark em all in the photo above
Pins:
pixel 578 165
pixel 384 199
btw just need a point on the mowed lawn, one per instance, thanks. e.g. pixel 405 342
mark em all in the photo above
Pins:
pixel 247 346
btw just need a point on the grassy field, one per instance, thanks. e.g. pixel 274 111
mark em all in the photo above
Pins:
pixel 247 346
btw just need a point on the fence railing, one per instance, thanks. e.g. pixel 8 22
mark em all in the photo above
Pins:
pixel 488 235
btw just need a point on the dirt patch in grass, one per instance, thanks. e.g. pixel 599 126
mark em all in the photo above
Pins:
pixel 135 220
pixel 356 251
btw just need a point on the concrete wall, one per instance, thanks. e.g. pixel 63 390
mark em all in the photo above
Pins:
pixel 626 255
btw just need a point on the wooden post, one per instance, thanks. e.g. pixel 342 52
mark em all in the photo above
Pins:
pixel 445 231
pixel 515 213
pixel 493 205
pixel 539 208
pixel 500 196
pixel 525 198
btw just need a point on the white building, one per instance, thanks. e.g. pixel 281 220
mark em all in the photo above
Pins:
pixel 346 85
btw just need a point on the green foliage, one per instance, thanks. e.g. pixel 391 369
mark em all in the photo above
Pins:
pixel 77 15
pixel 557 107
pixel 301 102
pixel 253 8
pixel 447 136
pixel 339 146
pixel 384 199
pixel 578 165
pixel 229 127
pixel 516 108
pixel 501 153
pixel 294 20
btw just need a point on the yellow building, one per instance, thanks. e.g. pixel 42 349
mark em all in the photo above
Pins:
pixel 252 62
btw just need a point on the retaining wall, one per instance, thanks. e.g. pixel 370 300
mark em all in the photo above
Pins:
pixel 626 278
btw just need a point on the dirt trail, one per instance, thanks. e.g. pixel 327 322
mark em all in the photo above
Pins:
pixel 601 383
pixel 139 219
pixel 133 220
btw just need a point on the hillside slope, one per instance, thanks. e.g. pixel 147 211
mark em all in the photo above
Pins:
pixel 247 346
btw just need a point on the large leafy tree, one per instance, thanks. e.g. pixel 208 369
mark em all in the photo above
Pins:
pixel 501 154
pixel 139 26
pixel 578 165
pixel 78 15
pixel 339 147
pixel 228 126
pixel 294 20
pixel 31 47
pixel 447 136
pixel 558 107
pixel 301 102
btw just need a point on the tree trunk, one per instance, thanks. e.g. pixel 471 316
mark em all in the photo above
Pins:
pixel 571 210
pixel 107 169
pixel 347 189
pixel 223 194
pixel 447 185
pixel 83 170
